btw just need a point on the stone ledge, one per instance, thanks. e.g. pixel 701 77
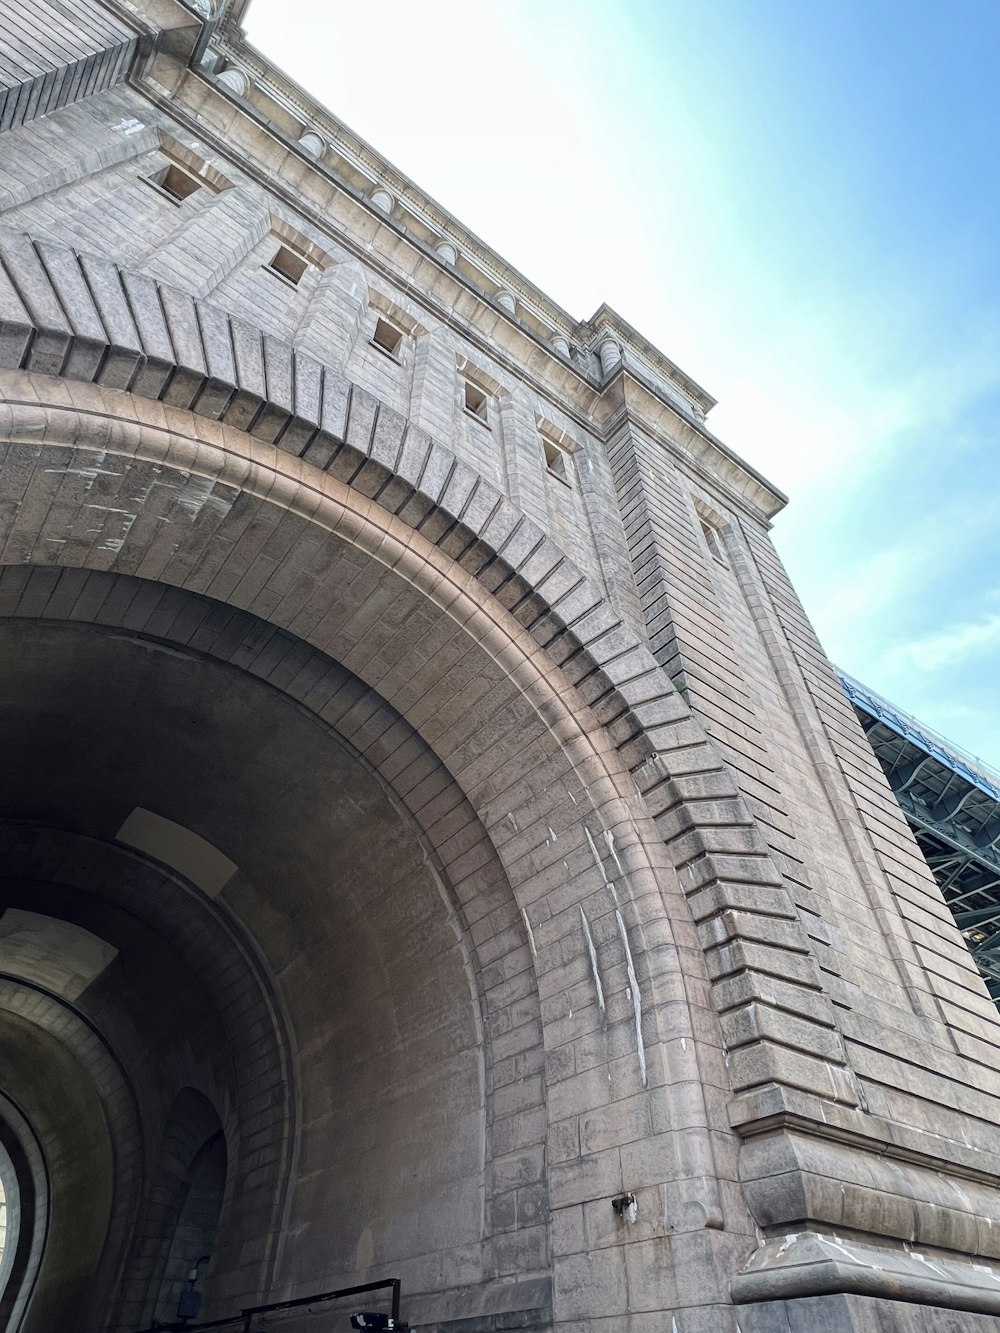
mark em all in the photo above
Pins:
pixel 811 1263
pixel 764 1110
pixel 852 1313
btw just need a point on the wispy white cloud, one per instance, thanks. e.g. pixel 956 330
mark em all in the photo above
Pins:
pixel 852 344
pixel 954 645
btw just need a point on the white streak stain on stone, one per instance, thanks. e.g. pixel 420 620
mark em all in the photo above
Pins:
pixel 609 838
pixel 636 1000
pixel 197 495
pixel 924 1260
pixel 194 495
pixel 90 473
pixel 147 491
pixel 848 1254
pixel 531 933
pixel 629 963
pixel 593 963
pixel 608 884
pixel 114 544
pixel 597 857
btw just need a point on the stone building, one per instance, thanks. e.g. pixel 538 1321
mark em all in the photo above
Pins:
pixel 434 844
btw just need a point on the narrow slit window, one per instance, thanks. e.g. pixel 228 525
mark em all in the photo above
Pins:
pixel 713 541
pixel 288 265
pixel 475 401
pixel 555 461
pixel 174 183
pixel 387 338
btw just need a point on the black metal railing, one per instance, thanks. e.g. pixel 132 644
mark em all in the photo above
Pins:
pixel 244 1319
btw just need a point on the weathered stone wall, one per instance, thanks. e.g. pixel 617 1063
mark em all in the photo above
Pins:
pixel 217 246
pixel 563 869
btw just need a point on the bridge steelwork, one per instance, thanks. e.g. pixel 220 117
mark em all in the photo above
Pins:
pixel 951 800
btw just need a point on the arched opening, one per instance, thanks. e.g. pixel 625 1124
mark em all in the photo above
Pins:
pixel 23 1180
pixel 332 895
pixel 193 1177
pixel 499 809
pixel 193 1240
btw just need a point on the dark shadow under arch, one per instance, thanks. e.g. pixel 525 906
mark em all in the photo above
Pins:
pixel 184 1202
pixel 26 1186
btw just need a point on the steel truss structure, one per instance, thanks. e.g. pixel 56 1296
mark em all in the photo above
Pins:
pixel 951 800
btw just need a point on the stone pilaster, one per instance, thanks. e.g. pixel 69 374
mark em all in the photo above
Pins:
pixel 335 314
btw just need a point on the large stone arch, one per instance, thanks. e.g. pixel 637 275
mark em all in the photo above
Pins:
pixel 642 892
pixel 574 823
pixel 92 321
pixel 191 353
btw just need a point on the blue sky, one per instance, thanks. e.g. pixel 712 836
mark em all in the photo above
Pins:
pixel 799 204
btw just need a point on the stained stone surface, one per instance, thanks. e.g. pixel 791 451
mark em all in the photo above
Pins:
pixel 578 968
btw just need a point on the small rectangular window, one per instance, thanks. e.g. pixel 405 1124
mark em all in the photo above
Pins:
pixel 713 541
pixel 288 265
pixel 387 338
pixel 555 461
pixel 475 401
pixel 174 183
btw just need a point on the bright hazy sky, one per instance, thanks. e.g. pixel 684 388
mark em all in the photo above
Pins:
pixel 799 204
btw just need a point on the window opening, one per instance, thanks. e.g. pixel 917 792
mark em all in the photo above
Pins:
pixel 475 401
pixel 555 461
pixel 174 183
pixel 713 541
pixel 387 338
pixel 288 265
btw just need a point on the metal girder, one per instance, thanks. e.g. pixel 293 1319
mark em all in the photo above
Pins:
pixel 946 810
pixel 965 864
pixel 978 917
pixel 988 836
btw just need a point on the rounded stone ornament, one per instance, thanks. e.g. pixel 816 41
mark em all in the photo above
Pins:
pixel 235 80
pixel 311 143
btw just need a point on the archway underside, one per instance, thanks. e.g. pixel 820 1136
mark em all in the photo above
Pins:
pixel 337 910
